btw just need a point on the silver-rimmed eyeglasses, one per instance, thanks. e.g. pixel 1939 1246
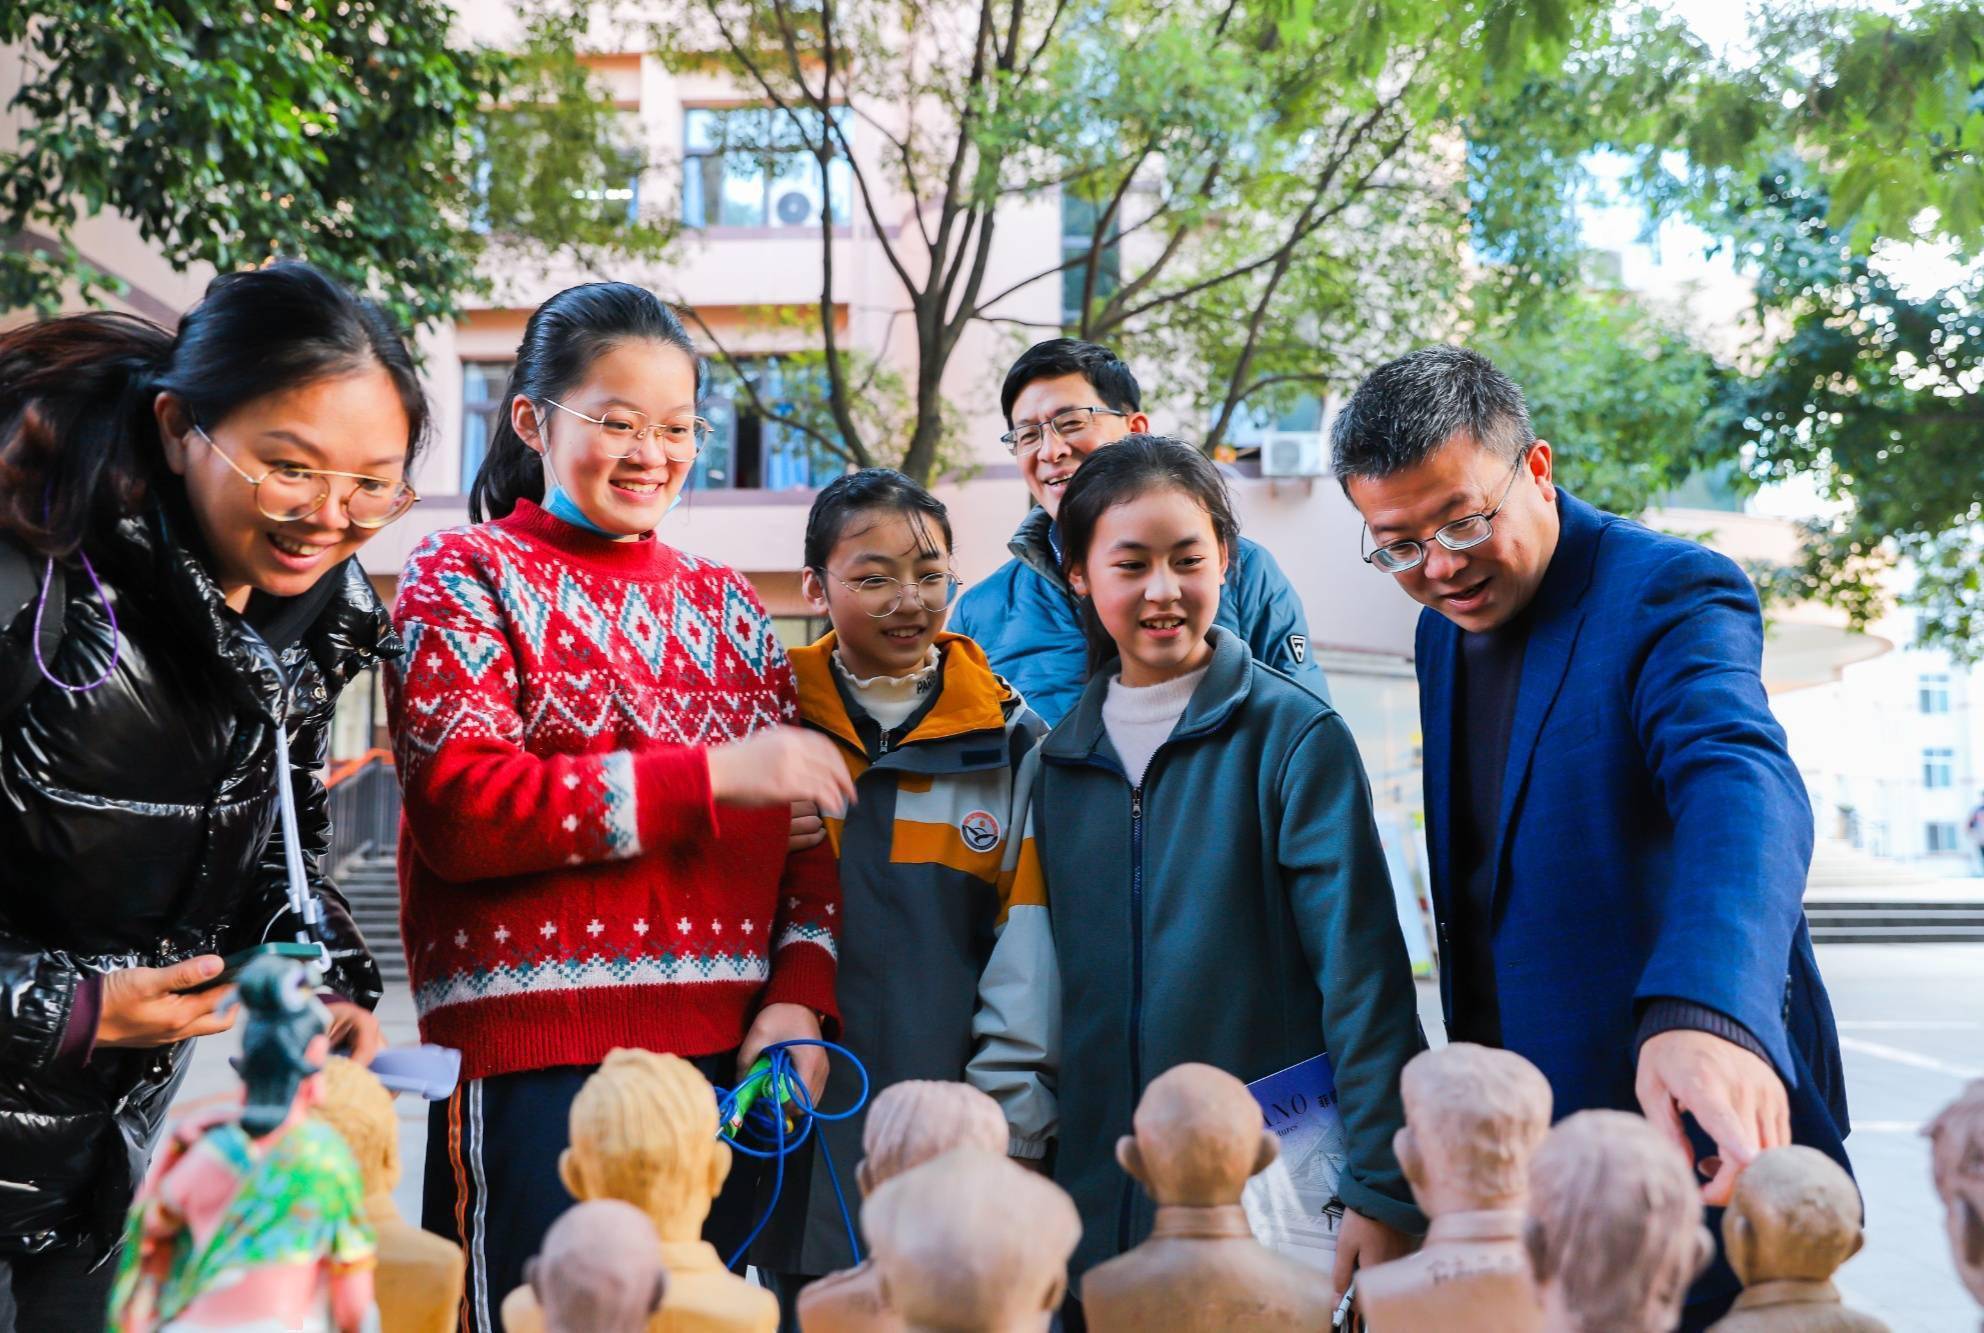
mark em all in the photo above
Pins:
pixel 1072 426
pixel 879 595
pixel 1460 535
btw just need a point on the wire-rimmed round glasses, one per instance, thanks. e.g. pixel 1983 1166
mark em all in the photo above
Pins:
pixel 879 596
pixel 1071 425
pixel 289 494
pixel 1460 535
pixel 622 429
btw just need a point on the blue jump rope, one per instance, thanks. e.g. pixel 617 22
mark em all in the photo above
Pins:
pixel 753 1118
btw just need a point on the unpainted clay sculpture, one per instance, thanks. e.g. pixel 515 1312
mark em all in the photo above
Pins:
pixel 643 1130
pixel 599 1270
pixel 1615 1230
pixel 1199 1138
pixel 419 1279
pixel 1473 1118
pixel 1794 1219
pixel 253 1217
pixel 1957 1158
pixel 971 1243
pixel 909 1123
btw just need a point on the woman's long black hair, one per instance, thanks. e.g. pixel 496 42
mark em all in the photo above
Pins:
pixel 563 338
pixel 79 446
pixel 1136 465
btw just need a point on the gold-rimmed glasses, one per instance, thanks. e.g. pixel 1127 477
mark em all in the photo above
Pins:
pixel 622 429
pixel 288 494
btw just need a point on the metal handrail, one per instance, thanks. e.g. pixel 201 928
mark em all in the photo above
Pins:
pixel 364 800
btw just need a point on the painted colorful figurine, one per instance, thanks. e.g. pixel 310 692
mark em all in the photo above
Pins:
pixel 253 1218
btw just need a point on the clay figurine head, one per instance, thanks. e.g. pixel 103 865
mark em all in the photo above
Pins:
pixel 914 1121
pixel 1615 1232
pixel 1957 1158
pixel 1473 1117
pixel 1795 1216
pixel 599 1270
pixel 970 1242
pixel 643 1130
pixel 1198 1140
pixel 282 1041
pixel 358 1106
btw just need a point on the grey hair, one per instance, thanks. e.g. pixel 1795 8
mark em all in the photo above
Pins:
pixel 1406 409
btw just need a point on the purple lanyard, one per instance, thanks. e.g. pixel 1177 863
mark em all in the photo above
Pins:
pixel 41 607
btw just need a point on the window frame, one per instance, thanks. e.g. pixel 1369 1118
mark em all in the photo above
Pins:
pixel 837 199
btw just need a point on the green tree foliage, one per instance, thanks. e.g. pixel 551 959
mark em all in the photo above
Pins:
pixel 357 135
pixel 1266 194
pixel 232 133
pixel 1874 392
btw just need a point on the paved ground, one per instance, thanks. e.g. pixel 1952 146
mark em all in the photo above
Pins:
pixel 1911 1023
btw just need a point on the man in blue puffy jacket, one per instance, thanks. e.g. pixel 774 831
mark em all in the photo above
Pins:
pixel 1064 399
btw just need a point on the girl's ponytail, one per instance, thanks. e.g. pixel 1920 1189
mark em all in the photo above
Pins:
pixel 562 339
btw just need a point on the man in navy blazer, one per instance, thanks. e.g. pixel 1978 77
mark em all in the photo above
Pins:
pixel 1618 838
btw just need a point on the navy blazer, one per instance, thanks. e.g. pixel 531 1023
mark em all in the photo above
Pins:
pixel 1654 835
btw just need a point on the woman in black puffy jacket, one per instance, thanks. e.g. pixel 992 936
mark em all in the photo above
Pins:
pixel 200 495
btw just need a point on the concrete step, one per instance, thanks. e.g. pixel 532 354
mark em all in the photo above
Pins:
pixel 1896 921
pixel 372 887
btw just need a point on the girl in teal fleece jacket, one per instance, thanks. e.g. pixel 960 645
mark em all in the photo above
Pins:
pixel 1200 879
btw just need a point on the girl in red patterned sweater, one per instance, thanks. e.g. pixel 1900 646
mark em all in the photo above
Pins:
pixel 593 732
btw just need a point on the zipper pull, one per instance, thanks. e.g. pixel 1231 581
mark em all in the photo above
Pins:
pixel 884 742
pixel 1136 802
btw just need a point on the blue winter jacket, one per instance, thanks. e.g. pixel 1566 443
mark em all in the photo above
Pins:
pixel 1029 623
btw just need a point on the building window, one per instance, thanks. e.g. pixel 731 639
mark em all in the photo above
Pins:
pixel 750 167
pixel 483 406
pixel 1934 694
pixel 1077 238
pixel 1939 837
pixel 753 451
pixel 1938 767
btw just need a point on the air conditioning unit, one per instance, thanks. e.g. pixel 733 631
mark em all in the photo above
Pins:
pixel 796 206
pixel 1294 453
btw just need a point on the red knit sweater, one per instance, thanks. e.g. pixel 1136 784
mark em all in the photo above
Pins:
pixel 567 884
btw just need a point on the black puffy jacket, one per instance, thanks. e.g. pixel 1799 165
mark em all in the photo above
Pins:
pixel 138 826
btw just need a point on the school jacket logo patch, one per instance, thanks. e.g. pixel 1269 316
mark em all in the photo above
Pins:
pixel 980 830
pixel 1298 648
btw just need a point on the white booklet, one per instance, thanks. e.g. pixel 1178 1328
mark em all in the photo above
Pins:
pixel 1293 1205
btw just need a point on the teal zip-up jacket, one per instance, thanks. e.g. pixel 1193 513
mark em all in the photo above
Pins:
pixel 1235 910
pixel 1029 621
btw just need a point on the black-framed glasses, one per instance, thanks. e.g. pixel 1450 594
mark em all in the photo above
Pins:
pixel 1460 535
pixel 1071 426
pixel 289 494
pixel 622 429
pixel 879 596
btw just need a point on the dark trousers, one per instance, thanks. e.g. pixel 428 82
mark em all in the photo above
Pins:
pixel 54 1292
pixel 492 1186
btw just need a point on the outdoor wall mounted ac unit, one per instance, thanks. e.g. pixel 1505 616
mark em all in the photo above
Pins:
pixel 1293 453
pixel 796 206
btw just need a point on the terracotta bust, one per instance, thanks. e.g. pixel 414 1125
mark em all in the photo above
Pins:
pixel 1615 1230
pixel 971 1243
pixel 909 1123
pixel 643 1130
pixel 1794 1220
pixel 1957 1158
pixel 599 1270
pixel 1473 1118
pixel 418 1283
pixel 1199 1138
